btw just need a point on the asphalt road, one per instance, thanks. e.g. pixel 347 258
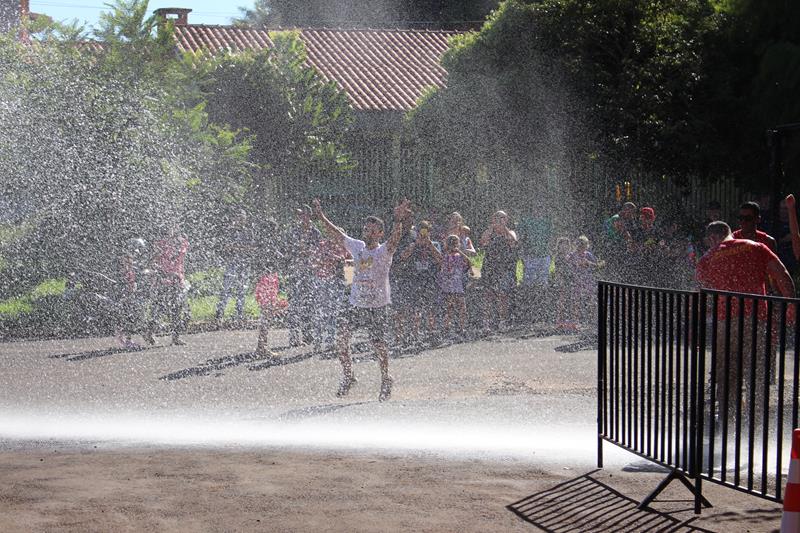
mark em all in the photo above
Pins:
pixel 518 395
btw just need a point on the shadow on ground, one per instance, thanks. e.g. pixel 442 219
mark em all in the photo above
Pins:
pixel 585 342
pixel 94 354
pixel 221 363
pixel 360 351
pixel 586 504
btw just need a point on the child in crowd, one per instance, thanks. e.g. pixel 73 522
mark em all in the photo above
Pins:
pixel 169 285
pixel 131 294
pixel 561 285
pixel 266 293
pixel 327 260
pixel 456 226
pixel 584 265
pixel 452 267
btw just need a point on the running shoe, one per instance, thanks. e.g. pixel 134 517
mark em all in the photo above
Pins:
pixel 386 389
pixel 177 341
pixel 345 385
pixel 266 354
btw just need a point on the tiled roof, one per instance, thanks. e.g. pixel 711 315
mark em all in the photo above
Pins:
pixel 194 37
pixel 379 70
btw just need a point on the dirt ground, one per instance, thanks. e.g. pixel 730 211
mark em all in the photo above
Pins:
pixel 193 489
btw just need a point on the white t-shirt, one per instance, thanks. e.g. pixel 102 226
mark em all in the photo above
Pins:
pixel 371 277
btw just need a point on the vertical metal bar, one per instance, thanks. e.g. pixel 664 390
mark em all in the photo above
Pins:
pixel 601 369
pixel 616 363
pixel 781 384
pixel 629 372
pixel 765 400
pixel 796 366
pixel 635 372
pixel 650 373
pixel 712 388
pixel 751 426
pixel 688 307
pixel 623 368
pixel 698 412
pixel 609 399
pixel 612 383
pixel 679 322
pixel 737 441
pixel 670 378
pixel 665 337
pixel 643 371
pixel 726 391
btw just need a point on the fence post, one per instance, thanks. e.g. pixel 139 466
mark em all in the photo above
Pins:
pixel 601 368
pixel 698 396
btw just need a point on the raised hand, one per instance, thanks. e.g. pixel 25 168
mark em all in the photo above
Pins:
pixel 790 201
pixel 403 210
pixel 316 208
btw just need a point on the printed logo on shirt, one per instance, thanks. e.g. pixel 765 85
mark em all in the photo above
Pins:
pixel 365 263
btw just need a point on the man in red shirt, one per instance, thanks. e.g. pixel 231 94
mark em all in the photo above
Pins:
pixel 749 219
pixel 742 266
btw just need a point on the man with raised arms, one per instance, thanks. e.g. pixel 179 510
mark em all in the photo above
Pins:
pixel 370 295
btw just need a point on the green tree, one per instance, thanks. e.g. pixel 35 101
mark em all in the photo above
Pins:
pixel 381 13
pixel 683 88
pixel 296 120
pixel 97 149
pixel 557 89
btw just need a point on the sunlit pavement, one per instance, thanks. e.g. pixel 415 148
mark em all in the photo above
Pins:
pixel 515 395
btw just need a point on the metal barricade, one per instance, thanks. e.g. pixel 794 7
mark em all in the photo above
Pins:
pixel 698 382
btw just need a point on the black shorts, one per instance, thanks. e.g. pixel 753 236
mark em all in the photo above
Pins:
pixel 402 294
pixel 374 319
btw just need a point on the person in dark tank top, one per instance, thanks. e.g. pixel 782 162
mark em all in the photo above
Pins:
pixel 498 272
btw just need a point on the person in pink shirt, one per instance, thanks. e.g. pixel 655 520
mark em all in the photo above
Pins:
pixel 169 295
pixel 453 264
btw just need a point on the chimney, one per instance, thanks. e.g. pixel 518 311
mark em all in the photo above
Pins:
pixel 24 14
pixel 180 15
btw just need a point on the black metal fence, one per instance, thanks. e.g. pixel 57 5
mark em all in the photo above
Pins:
pixel 703 383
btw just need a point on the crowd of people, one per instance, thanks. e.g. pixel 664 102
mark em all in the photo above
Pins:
pixel 425 282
